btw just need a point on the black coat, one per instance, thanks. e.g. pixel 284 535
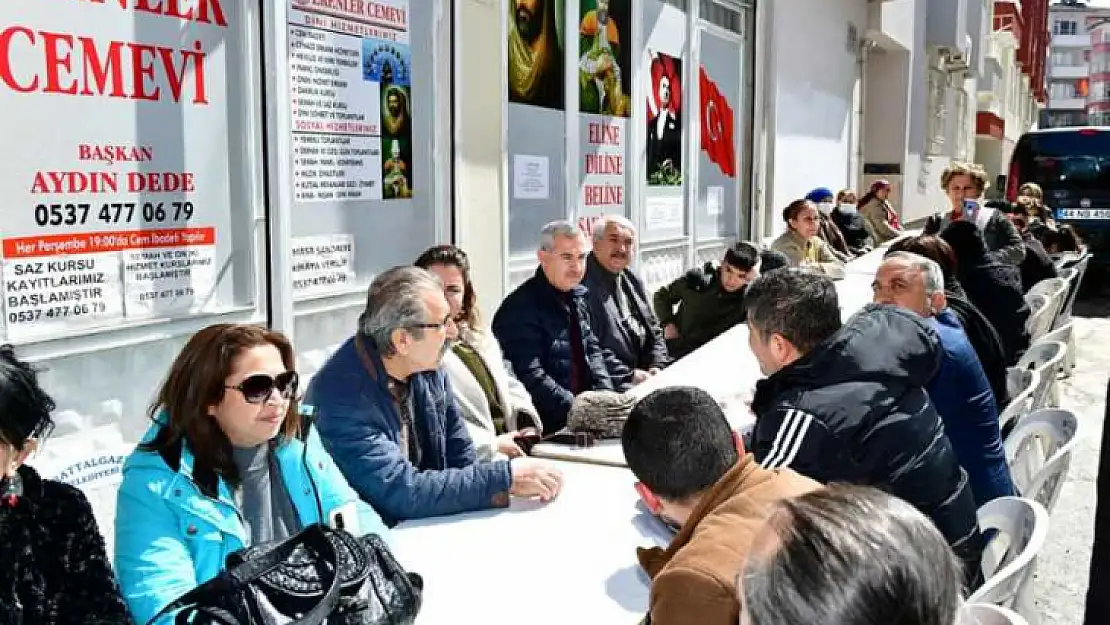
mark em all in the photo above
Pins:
pixel 53 565
pixel 638 342
pixel 854 228
pixel 1037 265
pixel 533 327
pixel 984 340
pixel 994 288
pixel 1098 589
pixel 855 409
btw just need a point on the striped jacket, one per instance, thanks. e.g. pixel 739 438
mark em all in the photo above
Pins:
pixel 854 409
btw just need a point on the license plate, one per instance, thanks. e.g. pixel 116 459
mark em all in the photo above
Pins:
pixel 1084 213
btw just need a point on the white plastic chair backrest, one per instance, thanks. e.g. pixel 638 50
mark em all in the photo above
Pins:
pixel 987 614
pixel 1021 526
pixel 1021 383
pixel 1074 276
pixel 1041 315
pixel 1038 452
pixel 1062 334
pixel 1056 290
pixel 1046 358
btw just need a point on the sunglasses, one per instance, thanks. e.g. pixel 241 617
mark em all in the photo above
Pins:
pixel 259 387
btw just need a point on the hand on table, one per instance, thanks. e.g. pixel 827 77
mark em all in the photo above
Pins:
pixel 670 331
pixel 506 444
pixel 533 478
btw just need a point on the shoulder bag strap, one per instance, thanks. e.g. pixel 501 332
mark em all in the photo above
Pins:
pixel 313 536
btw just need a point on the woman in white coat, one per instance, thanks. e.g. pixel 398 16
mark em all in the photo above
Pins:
pixel 498 410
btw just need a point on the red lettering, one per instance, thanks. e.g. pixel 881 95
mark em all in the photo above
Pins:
pixel 205 11
pixel 161 182
pixel 603 194
pixel 141 70
pixel 6 73
pixel 113 62
pixel 52 182
pixel 604 134
pixel 56 61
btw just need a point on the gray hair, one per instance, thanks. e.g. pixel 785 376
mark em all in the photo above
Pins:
pixel 929 268
pixel 395 302
pixel 601 224
pixel 850 554
pixel 555 229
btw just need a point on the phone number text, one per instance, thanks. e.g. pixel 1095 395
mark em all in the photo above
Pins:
pixel 78 213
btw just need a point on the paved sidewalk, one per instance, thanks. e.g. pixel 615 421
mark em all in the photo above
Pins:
pixel 1061 580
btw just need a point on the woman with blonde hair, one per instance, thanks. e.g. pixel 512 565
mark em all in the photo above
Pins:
pixel 227 464
pixel 495 405
pixel 965 183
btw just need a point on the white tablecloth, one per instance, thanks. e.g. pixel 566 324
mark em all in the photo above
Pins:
pixel 570 561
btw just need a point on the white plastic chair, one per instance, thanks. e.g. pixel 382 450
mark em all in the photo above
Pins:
pixel 1021 527
pixel 1056 290
pixel 1039 453
pixel 1063 334
pixel 987 614
pixel 1074 276
pixel 1020 384
pixel 1046 358
pixel 1040 317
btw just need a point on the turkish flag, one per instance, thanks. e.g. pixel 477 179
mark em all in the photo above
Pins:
pixel 717 125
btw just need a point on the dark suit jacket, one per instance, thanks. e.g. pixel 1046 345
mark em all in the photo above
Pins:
pixel 616 334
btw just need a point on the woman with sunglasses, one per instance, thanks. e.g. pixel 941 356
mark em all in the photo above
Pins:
pixel 53 566
pixel 495 405
pixel 229 462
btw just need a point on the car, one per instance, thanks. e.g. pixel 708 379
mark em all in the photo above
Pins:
pixel 1072 166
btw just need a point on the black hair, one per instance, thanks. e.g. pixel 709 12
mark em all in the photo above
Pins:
pixel 678 442
pixel 842 557
pixel 1003 206
pixel 24 407
pixel 931 247
pixel 742 256
pixel 802 307
pixel 966 240
pixel 795 208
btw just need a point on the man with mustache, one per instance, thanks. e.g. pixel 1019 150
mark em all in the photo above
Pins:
pixel 547 333
pixel 619 304
pixel 535 58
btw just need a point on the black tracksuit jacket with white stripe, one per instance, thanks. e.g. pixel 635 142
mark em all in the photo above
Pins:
pixel 855 410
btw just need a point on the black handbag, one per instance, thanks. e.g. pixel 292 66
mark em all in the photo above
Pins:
pixel 321 576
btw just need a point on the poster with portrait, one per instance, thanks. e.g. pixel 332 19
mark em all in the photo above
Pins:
pixel 664 121
pixel 604 57
pixel 535 63
pixel 388 63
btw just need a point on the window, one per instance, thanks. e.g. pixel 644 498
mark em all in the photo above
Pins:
pixel 1064 27
pixel 1067 89
pixel 149 214
pixel 723 16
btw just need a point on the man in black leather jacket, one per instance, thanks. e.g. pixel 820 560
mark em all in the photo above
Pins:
pixel 848 404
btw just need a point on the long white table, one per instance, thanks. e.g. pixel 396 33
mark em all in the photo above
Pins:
pixel 572 560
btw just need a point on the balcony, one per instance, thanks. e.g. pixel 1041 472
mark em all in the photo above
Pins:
pixel 1071 41
pixel 1070 71
pixel 1067 104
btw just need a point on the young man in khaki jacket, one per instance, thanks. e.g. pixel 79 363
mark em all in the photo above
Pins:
pixel 695 475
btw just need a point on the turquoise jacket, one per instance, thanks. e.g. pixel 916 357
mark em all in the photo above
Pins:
pixel 170 536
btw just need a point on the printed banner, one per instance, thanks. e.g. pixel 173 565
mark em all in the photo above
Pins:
pixel 350 75
pixel 535 46
pixel 664 125
pixel 122 113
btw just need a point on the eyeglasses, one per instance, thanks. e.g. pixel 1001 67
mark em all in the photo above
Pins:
pixel 259 387
pixel 432 326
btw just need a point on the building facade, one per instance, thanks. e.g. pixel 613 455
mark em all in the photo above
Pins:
pixel 261 162
pixel 1013 88
pixel 1073 65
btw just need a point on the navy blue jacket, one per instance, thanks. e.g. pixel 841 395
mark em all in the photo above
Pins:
pixel 533 328
pixel 963 397
pixel 645 351
pixel 360 426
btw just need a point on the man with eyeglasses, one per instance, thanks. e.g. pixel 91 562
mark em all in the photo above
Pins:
pixel 388 417
pixel 547 334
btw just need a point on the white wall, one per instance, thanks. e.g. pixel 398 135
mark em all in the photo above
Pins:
pixel 814 77
pixel 479 142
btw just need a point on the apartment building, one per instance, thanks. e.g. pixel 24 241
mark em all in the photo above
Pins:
pixel 1079 66
pixel 1013 89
